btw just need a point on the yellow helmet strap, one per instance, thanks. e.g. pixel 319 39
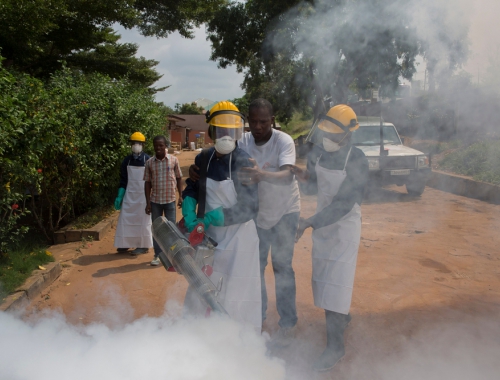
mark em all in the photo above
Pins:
pixel 210 116
pixel 352 123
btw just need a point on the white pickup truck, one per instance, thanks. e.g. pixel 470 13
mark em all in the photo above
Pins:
pixel 400 165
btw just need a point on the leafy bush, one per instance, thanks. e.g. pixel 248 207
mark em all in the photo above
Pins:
pixel 63 142
pixel 480 161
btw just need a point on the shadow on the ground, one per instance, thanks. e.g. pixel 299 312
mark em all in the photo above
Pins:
pixel 387 195
pixel 124 269
pixel 107 257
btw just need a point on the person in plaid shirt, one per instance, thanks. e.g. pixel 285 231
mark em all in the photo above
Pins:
pixel 162 175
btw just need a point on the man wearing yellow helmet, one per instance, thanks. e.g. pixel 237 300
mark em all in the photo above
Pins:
pixel 227 208
pixel 337 172
pixel 134 227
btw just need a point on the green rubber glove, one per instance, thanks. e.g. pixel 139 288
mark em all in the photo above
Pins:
pixel 189 213
pixel 192 225
pixel 214 218
pixel 119 198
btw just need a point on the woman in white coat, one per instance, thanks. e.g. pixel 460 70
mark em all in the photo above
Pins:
pixel 337 172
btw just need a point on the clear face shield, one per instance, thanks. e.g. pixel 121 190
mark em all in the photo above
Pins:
pixel 226 127
pixel 324 129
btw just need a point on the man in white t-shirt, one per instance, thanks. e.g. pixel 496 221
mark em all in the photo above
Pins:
pixel 273 154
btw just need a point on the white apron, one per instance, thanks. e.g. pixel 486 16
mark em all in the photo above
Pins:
pixel 134 225
pixel 335 247
pixel 236 261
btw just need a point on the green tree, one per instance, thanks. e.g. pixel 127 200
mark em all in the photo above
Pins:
pixel 242 103
pixel 161 17
pixel 188 109
pixel 301 53
pixel 117 61
pixel 36 36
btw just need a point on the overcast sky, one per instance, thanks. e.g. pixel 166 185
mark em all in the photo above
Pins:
pixel 185 64
pixel 186 67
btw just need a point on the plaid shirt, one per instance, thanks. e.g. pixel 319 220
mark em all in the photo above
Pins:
pixel 162 174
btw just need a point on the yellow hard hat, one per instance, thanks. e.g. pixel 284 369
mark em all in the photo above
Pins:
pixel 225 114
pixel 225 119
pixel 339 119
pixel 137 136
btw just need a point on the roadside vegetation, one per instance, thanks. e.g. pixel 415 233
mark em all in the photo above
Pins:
pixel 17 264
pixel 62 143
pixel 299 124
pixel 480 161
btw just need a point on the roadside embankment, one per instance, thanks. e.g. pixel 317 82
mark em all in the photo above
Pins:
pixel 68 234
pixel 68 244
pixel 465 186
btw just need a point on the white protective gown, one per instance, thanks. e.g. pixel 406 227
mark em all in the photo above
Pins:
pixel 335 247
pixel 236 261
pixel 134 225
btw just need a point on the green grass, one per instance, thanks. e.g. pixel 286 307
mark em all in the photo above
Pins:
pixel 18 263
pixel 480 161
pixel 298 125
pixel 434 147
pixel 91 218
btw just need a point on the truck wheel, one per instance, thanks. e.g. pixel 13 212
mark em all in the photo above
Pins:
pixel 415 188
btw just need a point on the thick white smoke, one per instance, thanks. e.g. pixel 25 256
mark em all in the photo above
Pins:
pixel 149 348
pixel 460 349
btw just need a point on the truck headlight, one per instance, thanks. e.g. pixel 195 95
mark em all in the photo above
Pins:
pixel 373 163
pixel 423 162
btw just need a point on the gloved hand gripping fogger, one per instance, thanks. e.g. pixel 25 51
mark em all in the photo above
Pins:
pixel 192 256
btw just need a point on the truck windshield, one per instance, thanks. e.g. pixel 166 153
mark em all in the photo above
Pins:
pixel 370 135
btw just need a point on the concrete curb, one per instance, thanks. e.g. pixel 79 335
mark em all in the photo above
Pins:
pixel 40 279
pixel 33 286
pixel 465 186
pixel 66 235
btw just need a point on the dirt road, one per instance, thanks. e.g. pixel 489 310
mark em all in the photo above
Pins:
pixel 425 265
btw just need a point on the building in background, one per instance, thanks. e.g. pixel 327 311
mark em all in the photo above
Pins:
pixel 184 129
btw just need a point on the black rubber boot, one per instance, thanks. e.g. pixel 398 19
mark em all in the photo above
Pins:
pixel 336 324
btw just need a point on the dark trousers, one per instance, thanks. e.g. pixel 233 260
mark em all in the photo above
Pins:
pixel 281 240
pixel 157 210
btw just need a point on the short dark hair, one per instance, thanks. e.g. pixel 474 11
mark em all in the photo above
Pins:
pixel 261 103
pixel 161 137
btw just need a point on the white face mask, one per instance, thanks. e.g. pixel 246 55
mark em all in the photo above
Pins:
pixel 225 145
pixel 330 146
pixel 137 148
